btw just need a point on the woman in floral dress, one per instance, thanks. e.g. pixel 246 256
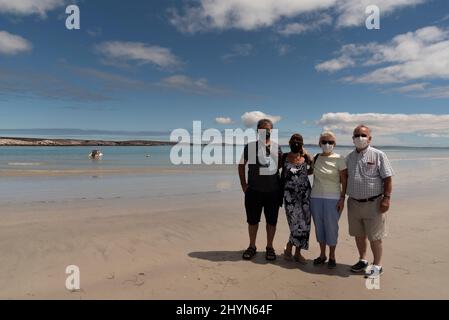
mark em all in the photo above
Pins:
pixel 296 166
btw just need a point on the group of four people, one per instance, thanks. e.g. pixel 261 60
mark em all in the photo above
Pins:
pixel 365 176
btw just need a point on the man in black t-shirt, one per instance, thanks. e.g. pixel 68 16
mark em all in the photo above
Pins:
pixel 262 191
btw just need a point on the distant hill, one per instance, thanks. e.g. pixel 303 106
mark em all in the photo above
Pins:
pixel 74 142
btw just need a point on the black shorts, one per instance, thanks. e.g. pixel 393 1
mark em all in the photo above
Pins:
pixel 255 201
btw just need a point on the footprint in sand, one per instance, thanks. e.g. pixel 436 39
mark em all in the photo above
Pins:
pixel 136 281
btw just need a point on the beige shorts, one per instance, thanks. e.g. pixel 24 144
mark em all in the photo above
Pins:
pixel 365 219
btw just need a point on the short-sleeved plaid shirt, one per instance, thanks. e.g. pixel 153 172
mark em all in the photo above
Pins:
pixel 366 172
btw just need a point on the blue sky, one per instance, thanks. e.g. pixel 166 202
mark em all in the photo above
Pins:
pixel 153 66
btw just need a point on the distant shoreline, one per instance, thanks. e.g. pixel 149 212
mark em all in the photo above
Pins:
pixel 41 142
pixel 49 142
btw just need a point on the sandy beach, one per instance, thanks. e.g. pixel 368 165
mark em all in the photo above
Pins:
pixel 188 246
pixel 126 128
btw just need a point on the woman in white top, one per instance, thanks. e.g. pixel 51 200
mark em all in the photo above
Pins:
pixel 328 196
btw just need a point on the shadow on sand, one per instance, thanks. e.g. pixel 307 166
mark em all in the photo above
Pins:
pixel 342 270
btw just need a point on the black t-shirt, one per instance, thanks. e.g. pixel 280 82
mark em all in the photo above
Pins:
pixel 263 173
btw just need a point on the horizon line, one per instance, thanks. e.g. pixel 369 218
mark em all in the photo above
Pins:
pixel 233 144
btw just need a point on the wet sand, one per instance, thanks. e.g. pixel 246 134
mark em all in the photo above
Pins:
pixel 188 246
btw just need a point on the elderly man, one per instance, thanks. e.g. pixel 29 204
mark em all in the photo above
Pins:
pixel 369 190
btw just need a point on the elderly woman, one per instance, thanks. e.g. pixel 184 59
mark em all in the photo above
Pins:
pixel 328 196
pixel 296 166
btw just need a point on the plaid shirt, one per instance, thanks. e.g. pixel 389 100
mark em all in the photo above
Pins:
pixel 366 172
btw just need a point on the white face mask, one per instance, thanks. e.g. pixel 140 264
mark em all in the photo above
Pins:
pixel 361 142
pixel 327 148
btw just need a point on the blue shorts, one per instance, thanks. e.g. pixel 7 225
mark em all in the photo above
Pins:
pixel 325 217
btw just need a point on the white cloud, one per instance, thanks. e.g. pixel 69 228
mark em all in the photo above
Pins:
pixel 303 27
pixel 411 87
pixel 140 53
pixel 348 56
pixel 242 14
pixel 251 118
pixel 437 92
pixel 423 54
pixel 336 64
pixel 239 50
pixel 187 84
pixel 11 44
pixel 423 90
pixel 223 120
pixel 351 12
pixel 29 7
pixel 206 15
pixel 435 135
pixel 429 125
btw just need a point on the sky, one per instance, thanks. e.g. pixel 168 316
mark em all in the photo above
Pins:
pixel 144 68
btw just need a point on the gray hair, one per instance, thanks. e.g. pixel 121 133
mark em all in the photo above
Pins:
pixel 328 134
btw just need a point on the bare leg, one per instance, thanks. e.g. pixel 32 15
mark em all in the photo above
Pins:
pixel 252 230
pixel 288 248
pixel 332 252
pixel 271 230
pixel 299 257
pixel 361 246
pixel 376 247
pixel 323 250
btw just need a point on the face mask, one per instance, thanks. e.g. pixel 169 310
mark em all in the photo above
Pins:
pixel 327 148
pixel 361 142
pixel 267 135
pixel 296 147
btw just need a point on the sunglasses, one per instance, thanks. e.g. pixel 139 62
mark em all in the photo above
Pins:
pixel 328 142
pixel 360 135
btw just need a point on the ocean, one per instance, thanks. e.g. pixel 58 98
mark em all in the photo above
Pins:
pixel 30 174
pixel 60 158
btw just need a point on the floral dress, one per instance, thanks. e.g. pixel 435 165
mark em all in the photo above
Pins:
pixel 297 191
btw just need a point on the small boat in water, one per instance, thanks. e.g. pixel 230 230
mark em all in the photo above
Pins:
pixel 95 155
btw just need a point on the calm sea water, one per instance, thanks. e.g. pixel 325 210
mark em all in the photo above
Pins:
pixel 412 166
pixel 57 158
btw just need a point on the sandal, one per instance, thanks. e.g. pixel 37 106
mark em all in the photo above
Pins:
pixel 319 261
pixel 287 255
pixel 301 260
pixel 332 264
pixel 270 254
pixel 249 253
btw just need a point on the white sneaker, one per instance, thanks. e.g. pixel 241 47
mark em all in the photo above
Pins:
pixel 373 271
